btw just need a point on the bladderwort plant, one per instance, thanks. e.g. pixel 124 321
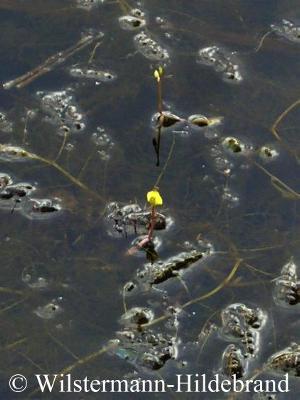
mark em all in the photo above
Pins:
pixel 154 199
pixel 158 73
pixel 146 243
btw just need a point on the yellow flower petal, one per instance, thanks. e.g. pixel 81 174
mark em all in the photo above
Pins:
pixel 154 198
pixel 157 75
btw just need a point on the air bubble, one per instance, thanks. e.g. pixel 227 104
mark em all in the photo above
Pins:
pixel 149 48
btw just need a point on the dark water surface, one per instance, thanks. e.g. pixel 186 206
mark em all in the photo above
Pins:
pixel 239 211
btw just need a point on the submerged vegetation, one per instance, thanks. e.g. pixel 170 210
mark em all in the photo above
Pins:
pixel 210 262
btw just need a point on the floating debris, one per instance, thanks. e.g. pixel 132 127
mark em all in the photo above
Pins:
pixel 135 20
pixel 5 125
pixel 221 62
pixel 161 271
pixel 90 73
pixel 287 287
pixel 198 120
pixel 50 310
pixel 165 119
pixel 149 48
pixel 17 190
pixel 88 4
pixel 132 22
pixel 104 142
pixel 148 349
pixel 288 30
pixel 11 194
pixel 137 316
pixel 55 103
pixel 35 276
pixel 131 219
pixel 12 153
pixel 243 323
pixel 30 115
pixel 233 362
pixel 233 144
pixel 101 138
pixel 286 361
pixel 201 121
pixel 164 24
pixel 52 62
pixel 268 153
pixel 40 208
pixel 223 164
pixel 254 318
pixel 137 12
pixel 232 326
pixel 62 111
pixel 129 287
pixel 69 147
pixel 16 197
pixel 231 199
pixel 5 180
pixel 158 271
pixel 103 155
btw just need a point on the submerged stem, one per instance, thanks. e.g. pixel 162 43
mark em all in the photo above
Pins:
pixel 202 297
pixel 156 141
pixel 159 96
pixel 125 6
pixel 152 223
pixel 278 121
pixel 62 146
pixel 278 184
pixel 81 361
pixel 72 178
pixel 160 176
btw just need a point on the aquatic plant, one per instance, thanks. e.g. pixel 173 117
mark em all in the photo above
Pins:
pixel 155 200
pixel 155 221
pixel 141 341
pixel 158 73
pixel 15 153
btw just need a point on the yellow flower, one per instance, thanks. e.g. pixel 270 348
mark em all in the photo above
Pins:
pixel 157 75
pixel 154 198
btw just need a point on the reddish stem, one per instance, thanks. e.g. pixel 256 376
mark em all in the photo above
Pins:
pixel 152 223
pixel 159 95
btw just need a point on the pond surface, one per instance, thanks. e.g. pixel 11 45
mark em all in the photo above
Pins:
pixel 76 135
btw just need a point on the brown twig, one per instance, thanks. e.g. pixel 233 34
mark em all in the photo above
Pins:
pixel 50 63
pixel 152 223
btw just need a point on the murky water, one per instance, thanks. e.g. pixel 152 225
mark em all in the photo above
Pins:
pixel 76 135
